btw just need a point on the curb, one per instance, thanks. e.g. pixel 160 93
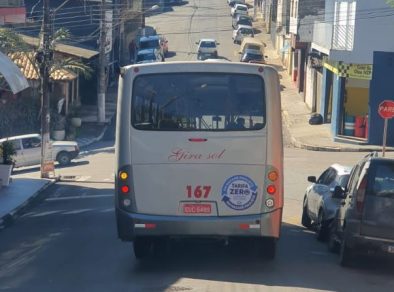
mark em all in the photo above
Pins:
pixel 12 215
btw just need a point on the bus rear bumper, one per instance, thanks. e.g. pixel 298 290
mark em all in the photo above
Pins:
pixel 132 225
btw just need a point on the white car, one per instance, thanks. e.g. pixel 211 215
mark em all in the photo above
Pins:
pixel 240 9
pixel 207 48
pixel 232 3
pixel 28 150
pixel 241 32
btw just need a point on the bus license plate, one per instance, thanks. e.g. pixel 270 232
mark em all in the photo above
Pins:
pixel 197 209
pixel 391 248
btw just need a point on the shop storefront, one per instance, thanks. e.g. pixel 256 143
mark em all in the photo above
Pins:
pixel 345 98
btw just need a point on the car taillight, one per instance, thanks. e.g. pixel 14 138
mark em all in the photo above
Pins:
pixel 360 195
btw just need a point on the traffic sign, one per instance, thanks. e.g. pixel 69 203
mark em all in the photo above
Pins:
pixel 386 109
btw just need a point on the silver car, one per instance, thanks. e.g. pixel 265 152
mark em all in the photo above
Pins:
pixel 320 204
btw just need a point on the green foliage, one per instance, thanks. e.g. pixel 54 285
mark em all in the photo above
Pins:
pixel 7 150
pixel 390 2
pixel 11 42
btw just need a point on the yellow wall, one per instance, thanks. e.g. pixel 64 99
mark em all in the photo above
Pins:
pixel 356 102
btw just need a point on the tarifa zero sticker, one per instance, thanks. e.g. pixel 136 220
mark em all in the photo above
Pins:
pixel 239 192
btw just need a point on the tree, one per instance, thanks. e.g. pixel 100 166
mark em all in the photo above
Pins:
pixel 12 42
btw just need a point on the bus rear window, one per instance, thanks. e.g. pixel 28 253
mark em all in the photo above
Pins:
pixel 198 102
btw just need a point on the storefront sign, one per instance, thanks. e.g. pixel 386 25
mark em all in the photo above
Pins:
pixel 355 71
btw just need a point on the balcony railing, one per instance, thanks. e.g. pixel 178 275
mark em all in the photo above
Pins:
pixel 333 37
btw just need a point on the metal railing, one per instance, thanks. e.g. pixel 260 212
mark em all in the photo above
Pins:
pixel 333 36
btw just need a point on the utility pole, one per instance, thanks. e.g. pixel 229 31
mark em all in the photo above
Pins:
pixel 44 57
pixel 102 65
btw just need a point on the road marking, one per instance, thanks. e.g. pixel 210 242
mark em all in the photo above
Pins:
pixel 108 210
pixel 83 178
pixel 77 211
pixel 79 197
pixel 46 213
pixel 108 179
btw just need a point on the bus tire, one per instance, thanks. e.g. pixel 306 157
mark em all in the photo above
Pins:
pixel 142 248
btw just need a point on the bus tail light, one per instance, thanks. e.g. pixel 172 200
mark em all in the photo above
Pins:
pixel 125 188
pixel 272 183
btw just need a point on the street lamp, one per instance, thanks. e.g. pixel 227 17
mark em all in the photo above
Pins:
pixel 153 8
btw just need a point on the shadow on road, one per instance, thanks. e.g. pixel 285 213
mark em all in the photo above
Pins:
pixel 298 264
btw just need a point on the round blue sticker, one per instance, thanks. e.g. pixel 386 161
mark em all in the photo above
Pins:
pixel 239 192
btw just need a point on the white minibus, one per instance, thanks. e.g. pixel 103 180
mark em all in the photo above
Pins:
pixel 199 153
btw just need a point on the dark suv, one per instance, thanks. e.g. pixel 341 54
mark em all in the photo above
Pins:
pixel 365 221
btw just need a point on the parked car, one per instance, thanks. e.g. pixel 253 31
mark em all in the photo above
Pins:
pixel 152 42
pixel 149 56
pixel 365 221
pixel 241 19
pixel 251 55
pixel 207 48
pixel 320 204
pixel 252 44
pixel 28 150
pixel 239 9
pixel 241 32
pixel 232 3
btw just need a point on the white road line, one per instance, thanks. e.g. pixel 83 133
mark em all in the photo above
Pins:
pixel 108 179
pixel 83 178
pixel 320 253
pixel 28 214
pixel 76 211
pixel 79 197
pixel 46 213
pixel 108 210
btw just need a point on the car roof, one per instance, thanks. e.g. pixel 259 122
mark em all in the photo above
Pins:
pixel 20 137
pixel 146 51
pixel 240 4
pixel 244 26
pixel 149 38
pixel 342 169
pixel 208 40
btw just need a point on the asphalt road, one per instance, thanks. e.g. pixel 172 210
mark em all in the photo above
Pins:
pixel 67 241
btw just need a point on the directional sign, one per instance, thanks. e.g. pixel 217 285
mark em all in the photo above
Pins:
pixel 386 109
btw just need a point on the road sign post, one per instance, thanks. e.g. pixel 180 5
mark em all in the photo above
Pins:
pixel 386 111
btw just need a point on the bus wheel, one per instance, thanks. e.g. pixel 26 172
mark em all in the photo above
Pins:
pixel 142 247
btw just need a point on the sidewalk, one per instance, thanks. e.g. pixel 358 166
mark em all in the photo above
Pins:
pixel 26 188
pixel 296 114
pixel 23 190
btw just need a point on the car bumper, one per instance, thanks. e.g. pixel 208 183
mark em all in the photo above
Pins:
pixel 371 244
pixel 260 225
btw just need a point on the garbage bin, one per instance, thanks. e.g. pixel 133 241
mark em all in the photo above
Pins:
pixel 359 127
pixel 349 125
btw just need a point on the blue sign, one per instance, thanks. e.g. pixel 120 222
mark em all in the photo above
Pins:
pixel 239 192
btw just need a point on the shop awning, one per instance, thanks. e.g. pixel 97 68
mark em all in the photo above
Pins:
pixel 12 74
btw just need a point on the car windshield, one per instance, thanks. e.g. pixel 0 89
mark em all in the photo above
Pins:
pixel 241 8
pixel 198 102
pixel 246 31
pixel 382 184
pixel 208 44
pixel 251 56
pixel 149 44
pixel 245 21
pixel 146 57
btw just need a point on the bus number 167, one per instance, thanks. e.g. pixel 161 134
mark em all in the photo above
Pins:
pixel 198 191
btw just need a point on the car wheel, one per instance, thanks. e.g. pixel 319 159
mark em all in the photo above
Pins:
pixel 345 254
pixel 63 158
pixel 321 227
pixel 142 248
pixel 305 219
pixel 333 245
